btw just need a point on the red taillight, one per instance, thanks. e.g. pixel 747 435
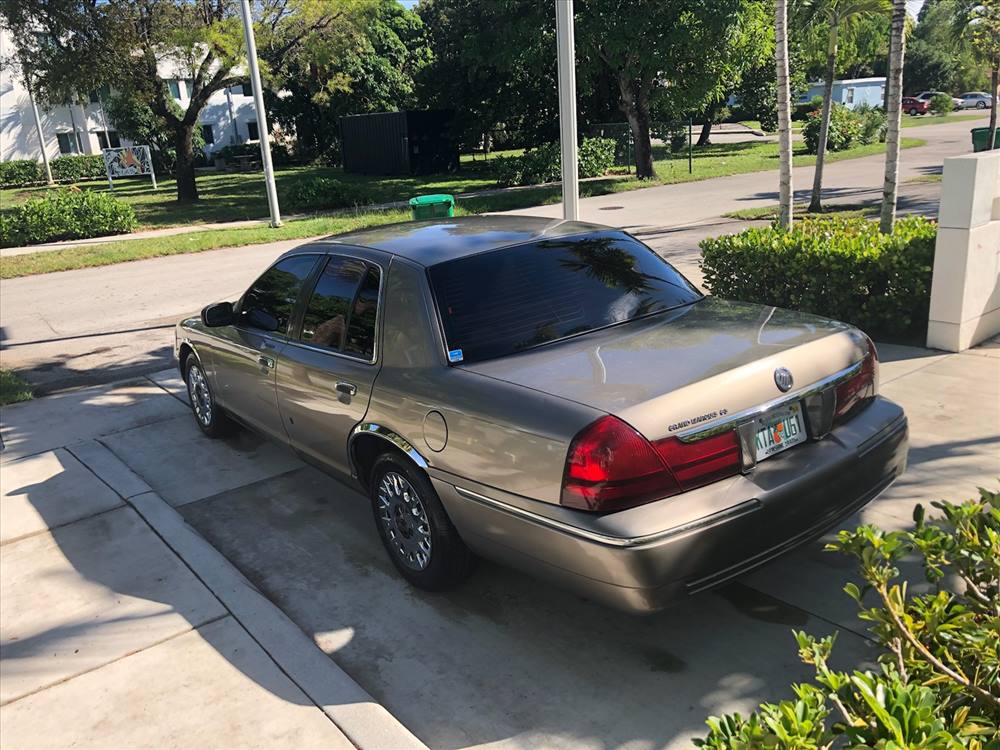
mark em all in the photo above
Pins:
pixel 610 466
pixel 861 388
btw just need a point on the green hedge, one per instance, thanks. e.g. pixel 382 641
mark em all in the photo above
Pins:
pixel 318 193
pixel 840 268
pixel 543 164
pixel 25 172
pixel 65 215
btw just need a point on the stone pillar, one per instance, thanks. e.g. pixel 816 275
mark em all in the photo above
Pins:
pixel 965 291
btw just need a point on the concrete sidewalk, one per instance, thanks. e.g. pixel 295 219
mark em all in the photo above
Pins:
pixel 121 627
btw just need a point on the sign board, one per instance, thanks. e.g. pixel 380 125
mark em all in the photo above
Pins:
pixel 128 161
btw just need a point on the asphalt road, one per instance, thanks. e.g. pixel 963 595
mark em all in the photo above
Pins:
pixel 91 326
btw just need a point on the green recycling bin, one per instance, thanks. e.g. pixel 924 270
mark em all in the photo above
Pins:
pixel 432 206
pixel 980 137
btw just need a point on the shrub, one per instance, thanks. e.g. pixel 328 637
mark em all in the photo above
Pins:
pixel 941 104
pixel 845 129
pixel 20 173
pixel 838 267
pixel 279 152
pixel 65 215
pixel 543 163
pixel 318 193
pixel 873 124
pixel 938 682
pixel 77 168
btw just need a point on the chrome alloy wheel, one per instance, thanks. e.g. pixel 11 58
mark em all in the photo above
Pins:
pixel 198 393
pixel 404 520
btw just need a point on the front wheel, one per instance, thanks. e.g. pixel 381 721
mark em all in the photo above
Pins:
pixel 417 533
pixel 914 112
pixel 210 418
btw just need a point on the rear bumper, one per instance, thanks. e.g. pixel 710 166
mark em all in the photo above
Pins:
pixel 640 559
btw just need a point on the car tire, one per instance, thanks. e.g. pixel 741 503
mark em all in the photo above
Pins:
pixel 914 112
pixel 210 418
pixel 980 105
pixel 418 535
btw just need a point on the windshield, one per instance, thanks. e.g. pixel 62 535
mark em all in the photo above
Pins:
pixel 507 300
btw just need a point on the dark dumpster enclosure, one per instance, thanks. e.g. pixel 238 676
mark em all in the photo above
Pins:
pixel 409 142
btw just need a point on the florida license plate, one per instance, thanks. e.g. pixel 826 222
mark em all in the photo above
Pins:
pixel 779 430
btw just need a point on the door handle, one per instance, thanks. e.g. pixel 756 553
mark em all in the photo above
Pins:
pixel 348 388
pixel 267 362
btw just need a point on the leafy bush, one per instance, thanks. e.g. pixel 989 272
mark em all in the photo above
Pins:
pixel 65 215
pixel 543 163
pixel 838 267
pixel 77 168
pixel 280 156
pixel 20 172
pixel 941 104
pixel 873 124
pixel 844 132
pixel 318 193
pixel 938 682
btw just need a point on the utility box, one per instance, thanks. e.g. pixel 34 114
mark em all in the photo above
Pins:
pixel 405 143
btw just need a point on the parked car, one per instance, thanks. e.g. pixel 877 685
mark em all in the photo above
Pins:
pixel 551 395
pixel 975 100
pixel 926 96
pixel 914 106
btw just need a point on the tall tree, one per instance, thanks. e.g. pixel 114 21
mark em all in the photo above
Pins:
pixel 894 99
pixel 136 46
pixel 786 192
pixel 836 15
pixel 979 20
pixel 665 49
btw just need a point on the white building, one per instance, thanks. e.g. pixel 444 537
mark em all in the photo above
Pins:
pixel 229 117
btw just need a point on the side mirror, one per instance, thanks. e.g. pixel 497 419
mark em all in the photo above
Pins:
pixel 218 314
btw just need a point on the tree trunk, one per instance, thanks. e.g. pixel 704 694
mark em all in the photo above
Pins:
pixel 705 137
pixel 815 202
pixel 187 188
pixel 635 105
pixel 894 89
pixel 995 93
pixel 785 191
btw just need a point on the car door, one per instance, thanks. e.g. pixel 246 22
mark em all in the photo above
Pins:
pixel 245 354
pixel 326 371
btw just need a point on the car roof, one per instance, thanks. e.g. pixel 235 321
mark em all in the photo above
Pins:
pixel 438 240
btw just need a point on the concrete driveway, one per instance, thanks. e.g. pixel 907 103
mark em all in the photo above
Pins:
pixel 504 662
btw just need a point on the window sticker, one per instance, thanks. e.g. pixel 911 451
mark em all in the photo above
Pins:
pixel 455 355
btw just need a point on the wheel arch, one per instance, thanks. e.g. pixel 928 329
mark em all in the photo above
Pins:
pixel 183 352
pixel 369 440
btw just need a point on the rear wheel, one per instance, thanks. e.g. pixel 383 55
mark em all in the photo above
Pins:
pixel 417 533
pixel 980 105
pixel 210 418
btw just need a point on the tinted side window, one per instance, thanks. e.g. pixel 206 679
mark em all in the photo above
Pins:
pixel 328 312
pixel 269 303
pixel 361 330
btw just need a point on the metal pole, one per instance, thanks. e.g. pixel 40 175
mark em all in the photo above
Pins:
pixel 567 109
pixel 258 102
pixel 38 130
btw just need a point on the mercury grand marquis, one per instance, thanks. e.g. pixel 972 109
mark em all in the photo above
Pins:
pixel 551 395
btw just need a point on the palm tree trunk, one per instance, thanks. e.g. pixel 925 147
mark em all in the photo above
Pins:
pixel 995 93
pixel 894 92
pixel 785 192
pixel 815 202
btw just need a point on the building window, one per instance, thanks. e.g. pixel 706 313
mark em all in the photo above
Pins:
pixel 881 94
pixel 67 143
pixel 108 139
pixel 175 88
pixel 850 95
pixel 253 133
pixel 208 133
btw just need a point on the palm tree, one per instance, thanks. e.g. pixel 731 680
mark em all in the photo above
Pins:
pixel 837 14
pixel 785 191
pixel 894 101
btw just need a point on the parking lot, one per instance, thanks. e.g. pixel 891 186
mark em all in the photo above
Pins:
pixel 503 662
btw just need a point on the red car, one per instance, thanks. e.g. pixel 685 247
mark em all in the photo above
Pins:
pixel 914 106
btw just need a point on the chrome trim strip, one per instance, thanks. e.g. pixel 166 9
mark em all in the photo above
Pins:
pixel 385 433
pixel 733 420
pixel 747 506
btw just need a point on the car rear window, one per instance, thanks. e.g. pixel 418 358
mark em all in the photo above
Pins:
pixel 515 298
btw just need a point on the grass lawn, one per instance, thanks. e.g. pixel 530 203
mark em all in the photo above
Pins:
pixel 911 121
pixel 927 178
pixel 797 125
pixel 770 213
pixel 13 389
